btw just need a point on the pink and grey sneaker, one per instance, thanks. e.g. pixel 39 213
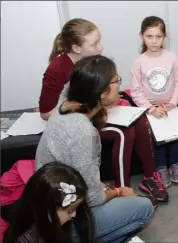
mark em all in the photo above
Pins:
pixel 165 176
pixel 173 170
pixel 155 187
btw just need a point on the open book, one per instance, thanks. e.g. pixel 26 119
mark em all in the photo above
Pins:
pixel 165 129
pixel 124 115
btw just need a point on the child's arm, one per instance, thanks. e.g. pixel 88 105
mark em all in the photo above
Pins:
pixel 53 84
pixel 137 89
pixel 174 99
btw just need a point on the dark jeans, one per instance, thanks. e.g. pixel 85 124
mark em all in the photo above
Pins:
pixel 166 153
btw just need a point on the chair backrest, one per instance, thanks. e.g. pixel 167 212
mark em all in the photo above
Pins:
pixel 126 96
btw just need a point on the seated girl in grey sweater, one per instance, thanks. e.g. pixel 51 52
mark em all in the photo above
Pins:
pixel 71 137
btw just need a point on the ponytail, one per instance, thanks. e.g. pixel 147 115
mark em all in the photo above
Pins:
pixel 72 33
pixel 58 48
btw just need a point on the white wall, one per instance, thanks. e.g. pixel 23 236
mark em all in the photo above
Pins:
pixel 29 27
pixel 173 25
pixel 28 30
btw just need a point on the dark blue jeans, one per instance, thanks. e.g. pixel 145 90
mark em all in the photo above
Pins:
pixel 165 153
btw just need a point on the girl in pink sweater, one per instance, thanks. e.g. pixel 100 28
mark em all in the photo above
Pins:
pixel 155 85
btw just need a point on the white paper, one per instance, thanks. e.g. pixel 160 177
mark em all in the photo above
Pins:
pixel 4 135
pixel 124 115
pixel 165 128
pixel 28 123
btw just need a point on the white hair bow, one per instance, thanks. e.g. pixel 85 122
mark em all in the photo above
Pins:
pixel 69 190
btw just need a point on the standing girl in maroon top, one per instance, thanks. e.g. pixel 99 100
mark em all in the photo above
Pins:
pixel 80 38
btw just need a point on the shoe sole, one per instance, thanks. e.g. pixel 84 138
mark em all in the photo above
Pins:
pixel 175 181
pixel 168 184
pixel 145 189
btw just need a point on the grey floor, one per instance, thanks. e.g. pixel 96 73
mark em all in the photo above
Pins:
pixel 163 227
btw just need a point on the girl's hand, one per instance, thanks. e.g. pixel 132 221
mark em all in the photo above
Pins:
pixel 169 106
pixel 123 191
pixel 159 112
pixel 127 192
pixel 37 109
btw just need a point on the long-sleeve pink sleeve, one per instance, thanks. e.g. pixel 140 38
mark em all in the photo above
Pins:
pixel 174 99
pixel 137 89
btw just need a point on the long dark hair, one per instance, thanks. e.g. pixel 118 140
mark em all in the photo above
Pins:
pixel 90 77
pixel 151 21
pixel 39 202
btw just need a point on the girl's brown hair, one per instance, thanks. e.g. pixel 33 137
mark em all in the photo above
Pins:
pixel 72 34
pixel 151 21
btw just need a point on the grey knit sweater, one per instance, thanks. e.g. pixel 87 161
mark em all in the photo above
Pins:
pixel 73 140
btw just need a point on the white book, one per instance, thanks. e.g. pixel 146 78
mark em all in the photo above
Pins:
pixel 165 129
pixel 124 115
pixel 28 123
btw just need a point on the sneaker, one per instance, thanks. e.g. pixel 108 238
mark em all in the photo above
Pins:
pixel 164 174
pixel 173 171
pixel 155 187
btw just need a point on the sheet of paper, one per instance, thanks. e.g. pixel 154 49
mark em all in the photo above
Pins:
pixel 124 115
pixel 165 128
pixel 28 123
pixel 4 135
